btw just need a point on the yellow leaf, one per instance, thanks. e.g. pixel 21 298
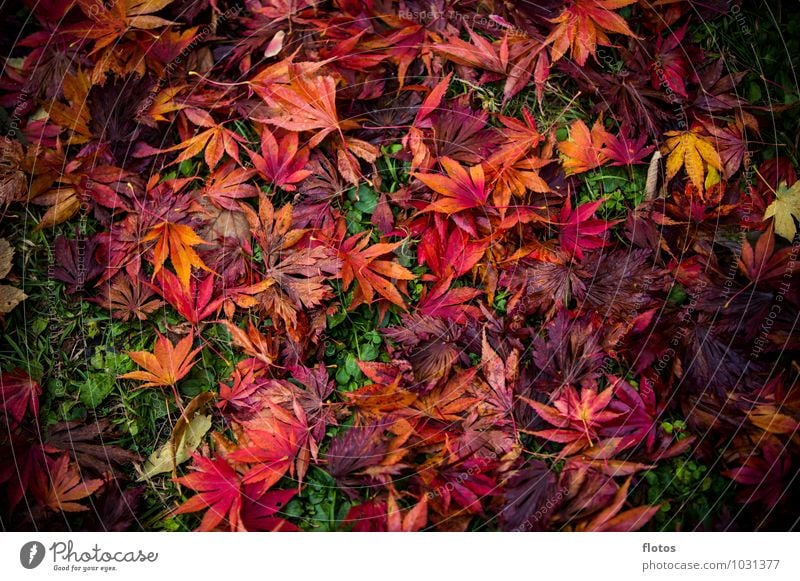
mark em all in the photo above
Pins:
pixel 690 150
pixel 785 209
pixel 172 453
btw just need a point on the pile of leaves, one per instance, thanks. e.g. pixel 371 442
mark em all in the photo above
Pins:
pixel 394 266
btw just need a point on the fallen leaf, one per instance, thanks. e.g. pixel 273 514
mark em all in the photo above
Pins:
pixel 784 209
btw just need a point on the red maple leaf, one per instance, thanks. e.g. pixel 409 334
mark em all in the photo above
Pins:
pixel 577 417
pixel 259 511
pixel 764 474
pixel 449 303
pixel 610 518
pixel 459 192
pixel 195 303
pixel 281 163
pixel 579 231
pixel 18 394
pixel 272 449
pixel 624 150
pixel 445 250
pixel 218 488
pixel 760 263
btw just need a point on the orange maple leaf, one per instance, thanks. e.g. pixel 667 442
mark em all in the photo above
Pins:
pixel 214 142
pixel 362 264
pixel 583 25
pixel 176 241
pixel 583 150
pixel 167 365
pixel 107 25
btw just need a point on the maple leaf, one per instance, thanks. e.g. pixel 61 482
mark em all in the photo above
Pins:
pixel 363 264
pixel 219 489
pixel 227 184
pixel 244 393
pixel 612 520
pixel 760 262
pixel 166 365
pixel 516 60
pixel 446 250
pixel 295 273
pixel 732 143
pixel 215 141
pixel 351 452
pixel 162 103
pixel 526 492
pixel 253 343
pixel 768 418
pixel 258 513
pixel 75 262
pixel 108 24
pixel 368 517
pixel 272 448
pixel 459 132
pixel 501 376
pixel 585 24
pixel 691 150
pixel 372 402
pixel 465 484
pixel 577 417
pixel 449 401
pixel 13 181
pixel 624 150
pixel 176 241
pixel 627 95
pixel 614 284
pixel 430 343
pixel 584 150
pixel 195 303
pixel 638 417
pixel 24 468
pixel 514 172
pixel 306 103
pixel 413 520
pixel 459 191
pixel 579 231
pixel 76 116
pixel 784 210
pixel 571 354
pixel 18 394
pixel 763 474
pixel 66 487
pixel 280 162
pixel 126 298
